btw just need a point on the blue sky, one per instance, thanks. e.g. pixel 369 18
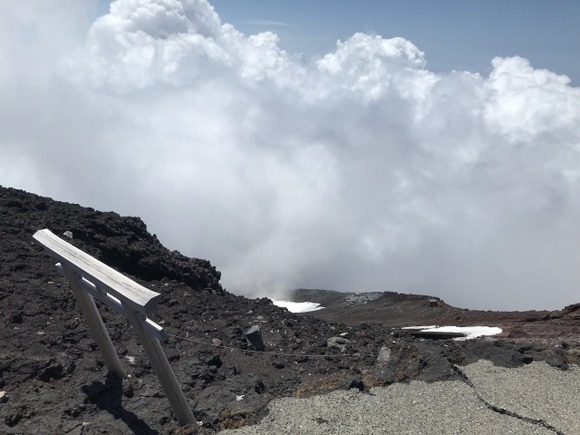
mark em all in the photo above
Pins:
pixel 454 34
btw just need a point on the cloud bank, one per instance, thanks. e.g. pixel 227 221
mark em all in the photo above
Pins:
pixel 360 170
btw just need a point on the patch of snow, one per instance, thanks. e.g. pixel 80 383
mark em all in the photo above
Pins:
pixel 469 331
pixel 298 307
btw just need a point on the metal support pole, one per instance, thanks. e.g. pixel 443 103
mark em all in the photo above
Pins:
pixel 161 367
pixel 95 323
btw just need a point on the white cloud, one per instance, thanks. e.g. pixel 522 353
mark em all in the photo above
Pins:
pixel 266 23
pixel 361 170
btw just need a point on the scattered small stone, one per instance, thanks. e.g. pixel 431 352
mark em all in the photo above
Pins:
pixel 68 234
pixel 16 317
pixel 254 337
pixel 573 356
pixel 384 355
pixel 339 343
pixel 217 342
pixel 3 397
pixel 128 390
pixel 131 359
pixel 13 418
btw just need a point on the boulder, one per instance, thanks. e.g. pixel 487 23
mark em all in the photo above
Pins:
pixel 339 343
pixel 254 337
pixel 384 355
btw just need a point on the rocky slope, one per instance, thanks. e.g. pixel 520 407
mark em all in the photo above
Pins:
pixel 53 380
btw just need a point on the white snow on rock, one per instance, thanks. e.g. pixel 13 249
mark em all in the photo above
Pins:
pixel 298 307
pixel 469 331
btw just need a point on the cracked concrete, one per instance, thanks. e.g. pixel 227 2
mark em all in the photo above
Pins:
pixel 536 392
pixel 533 399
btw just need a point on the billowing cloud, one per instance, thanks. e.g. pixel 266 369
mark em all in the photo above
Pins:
pixel 361 170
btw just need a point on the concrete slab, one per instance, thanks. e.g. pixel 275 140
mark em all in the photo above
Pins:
pixel 535 391
pixel 416 408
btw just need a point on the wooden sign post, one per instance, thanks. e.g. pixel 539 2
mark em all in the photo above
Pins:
pixel 89 278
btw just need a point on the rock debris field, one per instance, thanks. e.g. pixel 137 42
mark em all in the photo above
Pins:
pixel 53 378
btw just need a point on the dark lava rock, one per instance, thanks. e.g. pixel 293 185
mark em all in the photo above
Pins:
pixel 54 379
pixel 254 337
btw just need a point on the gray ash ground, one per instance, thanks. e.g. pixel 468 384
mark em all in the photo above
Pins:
pixel 53 380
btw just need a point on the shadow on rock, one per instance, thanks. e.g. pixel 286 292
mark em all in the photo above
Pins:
pixel 108 397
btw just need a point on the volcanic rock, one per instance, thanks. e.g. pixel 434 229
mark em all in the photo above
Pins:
pixel 340 343
pixel 54 379
pixel 254 337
